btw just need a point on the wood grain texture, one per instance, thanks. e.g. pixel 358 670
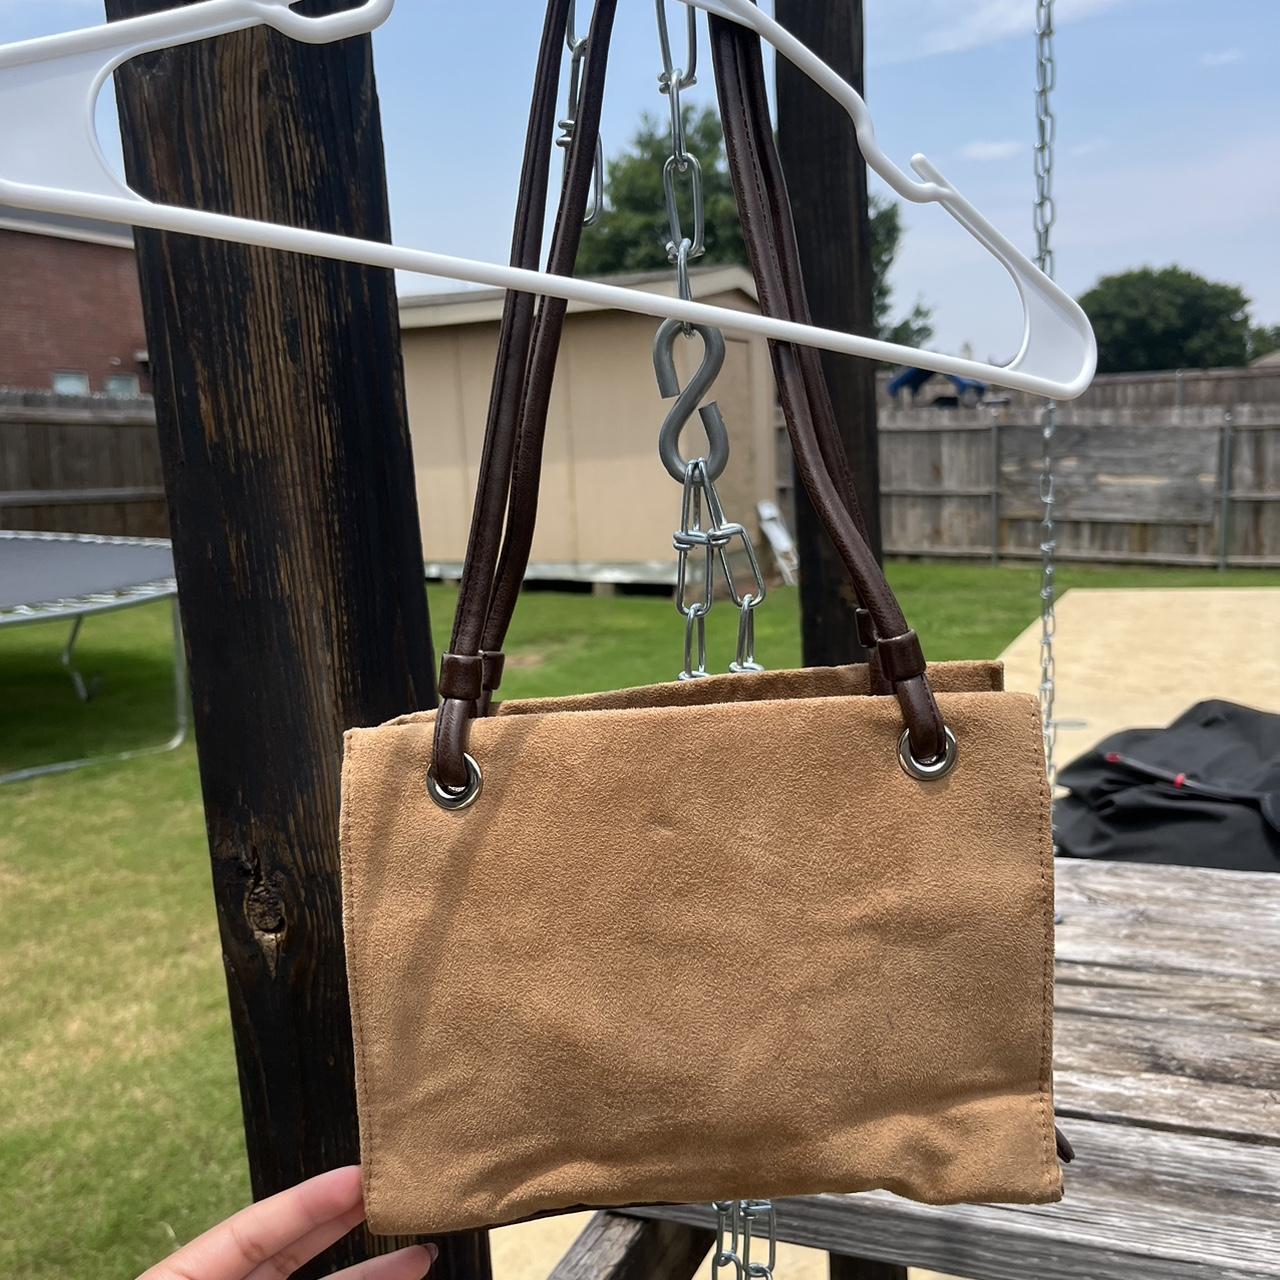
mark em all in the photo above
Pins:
pixel 80 465
pixel 1168 1077
pixel 1141 1205
pixel 1135 485
pixel 280 404
pixel 1151 472
pixel 827 178
pixel 614 1247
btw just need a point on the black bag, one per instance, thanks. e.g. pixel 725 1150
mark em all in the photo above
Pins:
pixel 1205 792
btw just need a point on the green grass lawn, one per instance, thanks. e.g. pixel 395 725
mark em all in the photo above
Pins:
pixel 119 1119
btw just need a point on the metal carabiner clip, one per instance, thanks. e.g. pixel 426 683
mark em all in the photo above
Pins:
pixel 664 366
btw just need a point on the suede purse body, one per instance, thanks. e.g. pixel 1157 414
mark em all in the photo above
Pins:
pixel 734 937
pixel 662 960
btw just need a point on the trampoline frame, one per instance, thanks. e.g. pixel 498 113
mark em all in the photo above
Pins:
pixel 76 609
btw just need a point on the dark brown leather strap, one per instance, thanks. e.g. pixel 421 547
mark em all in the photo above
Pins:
pixel 793 303
pixel 510 465
pixel 528 346
pixel 820 463
pixel 514 337
pixel 784 247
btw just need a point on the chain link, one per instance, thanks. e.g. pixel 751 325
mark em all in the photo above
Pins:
pixel 735 1234
pixel 1044 215
pixel 681 163
pixel 706 538
pixel 577 46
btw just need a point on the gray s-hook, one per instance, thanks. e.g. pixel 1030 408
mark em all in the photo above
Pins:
pixel 664 366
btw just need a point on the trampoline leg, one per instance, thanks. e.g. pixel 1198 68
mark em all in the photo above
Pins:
pixel 181 690
pixel 85 689
pixel 181 715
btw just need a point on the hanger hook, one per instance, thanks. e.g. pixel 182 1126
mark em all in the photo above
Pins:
pixel 664 366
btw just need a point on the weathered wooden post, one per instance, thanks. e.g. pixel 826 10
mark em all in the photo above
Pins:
pixel 827 178
pixel 828 181
pixel 280 402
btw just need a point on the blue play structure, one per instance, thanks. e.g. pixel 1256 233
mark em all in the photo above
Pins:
pixel 968 390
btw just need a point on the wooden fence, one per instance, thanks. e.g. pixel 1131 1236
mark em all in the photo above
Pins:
pixel 1200 487
pixel 1195 485
pixel 1146 393
pixel 80 465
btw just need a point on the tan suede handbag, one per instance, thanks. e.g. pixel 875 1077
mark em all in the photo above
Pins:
pixel 750 935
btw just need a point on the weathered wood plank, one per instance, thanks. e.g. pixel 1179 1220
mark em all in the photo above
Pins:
pixel 1141 1204
pixel 1179 919
pixel 295 536
pixel 89 466
pixel 80 497
pixel 1149 472
pixel 1168 998
pixel 614 1247
pixel 1134 484
pixel 1208 1077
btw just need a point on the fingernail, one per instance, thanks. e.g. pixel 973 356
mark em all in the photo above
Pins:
pixel 434 1251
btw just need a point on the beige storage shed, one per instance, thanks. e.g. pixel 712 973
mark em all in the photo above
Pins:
pixel 607 508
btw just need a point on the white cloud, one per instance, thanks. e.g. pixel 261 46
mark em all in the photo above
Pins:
pixel 983 150
pixel 1222 58
pixel 911 29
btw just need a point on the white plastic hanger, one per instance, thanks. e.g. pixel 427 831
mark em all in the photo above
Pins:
pixel 51 161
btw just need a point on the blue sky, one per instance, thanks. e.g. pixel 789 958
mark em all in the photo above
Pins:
pixel 1168 133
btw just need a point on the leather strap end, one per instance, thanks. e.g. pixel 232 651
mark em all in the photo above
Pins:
pixel 923 719
pixel 1066 1152
pixel 449 746
pixel 866 628
pixel 901 657
pixel 494 664
pixel 880 684
pixel 461 676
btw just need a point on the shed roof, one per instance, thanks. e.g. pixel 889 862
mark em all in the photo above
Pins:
pixel 477 306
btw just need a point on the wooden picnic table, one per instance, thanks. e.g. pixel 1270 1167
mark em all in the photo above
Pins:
pixel 1168 1083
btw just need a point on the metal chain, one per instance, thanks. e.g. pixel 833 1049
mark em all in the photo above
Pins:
pixel 577 46
pixel 704 532
pixel 736 1232
pixel 707 537
pixel 1043 219
pixel 682 249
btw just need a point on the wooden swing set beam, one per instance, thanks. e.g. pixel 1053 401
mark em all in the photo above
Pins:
pixel 827 178
pixel 289 477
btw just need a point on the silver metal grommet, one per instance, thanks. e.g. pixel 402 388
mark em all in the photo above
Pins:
pixel 933 769
pixel 457 797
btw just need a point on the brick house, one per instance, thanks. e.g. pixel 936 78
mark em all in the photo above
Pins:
pixel 70 309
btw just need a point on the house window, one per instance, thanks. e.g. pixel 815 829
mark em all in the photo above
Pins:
pixel 70 382
pixel 123 386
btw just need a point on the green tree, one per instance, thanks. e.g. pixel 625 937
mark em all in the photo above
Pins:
pixel 916 327
pixel 1263 340
pixel 632 233
pixel 1167 318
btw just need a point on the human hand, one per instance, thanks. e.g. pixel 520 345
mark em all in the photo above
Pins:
pixel 270 1240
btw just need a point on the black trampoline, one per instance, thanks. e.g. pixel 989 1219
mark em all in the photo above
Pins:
pixel 51 577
